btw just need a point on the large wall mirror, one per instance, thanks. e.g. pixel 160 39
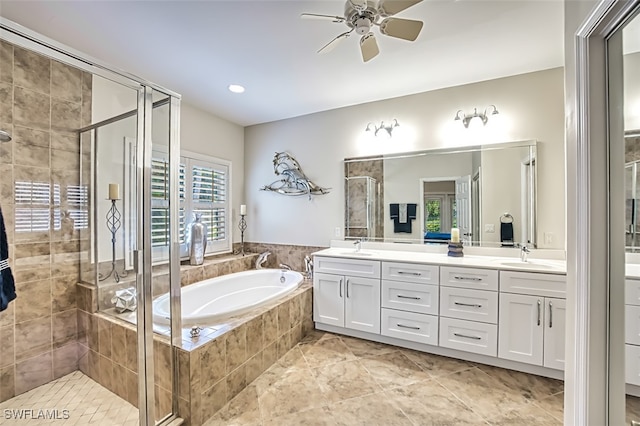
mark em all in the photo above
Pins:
pixel 632 190
pixel 488 192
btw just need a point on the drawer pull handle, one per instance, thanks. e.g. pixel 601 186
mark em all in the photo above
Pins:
pixel 415 274
pixel 472 305
pixel 400 296
pixel 458 277
pixel 407 326
pixel 467 337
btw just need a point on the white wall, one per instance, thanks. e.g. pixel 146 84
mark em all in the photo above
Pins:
pixel 200 132
pixel 530 105
pixel 208 134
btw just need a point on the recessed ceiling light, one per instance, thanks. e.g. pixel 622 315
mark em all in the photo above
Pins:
pixel 236 88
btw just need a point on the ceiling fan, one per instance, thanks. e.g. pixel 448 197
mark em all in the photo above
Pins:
pixel 361 15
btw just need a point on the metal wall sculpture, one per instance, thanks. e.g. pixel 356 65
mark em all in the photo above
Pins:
pixel 293 180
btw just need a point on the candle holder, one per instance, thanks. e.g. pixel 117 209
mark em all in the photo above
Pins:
pixel 455 249
pixel 242 225
pixel 113 224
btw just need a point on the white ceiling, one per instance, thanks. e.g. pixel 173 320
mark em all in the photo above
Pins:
pixel 197 48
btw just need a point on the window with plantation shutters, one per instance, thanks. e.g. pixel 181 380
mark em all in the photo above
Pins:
pixel 203 189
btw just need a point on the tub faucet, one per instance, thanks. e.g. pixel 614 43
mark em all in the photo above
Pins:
pixel 524 252
pixel 262 259
pixel 284 267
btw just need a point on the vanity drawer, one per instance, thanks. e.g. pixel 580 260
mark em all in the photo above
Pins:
pixel 410 272
pixel 632 324
pixel 419 298
pixel 410 326
pixel 473 305
pixel 344 266
pixel 469 336
pixel 632 292
pixel 532 283
pixel 480 279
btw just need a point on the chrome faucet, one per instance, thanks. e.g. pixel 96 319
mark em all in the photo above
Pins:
pixel 358 244
pixel 284 267
pixel 308 267
pixel 262 259
pixel 524 252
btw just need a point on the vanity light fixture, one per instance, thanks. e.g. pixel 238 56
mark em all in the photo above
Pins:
pixel 483 116
pixel 387 127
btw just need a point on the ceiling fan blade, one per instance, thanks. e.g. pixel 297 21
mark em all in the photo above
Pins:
pixel 406 29
pixel 333 43
pixel 338 19
pixel 391 7
pixel 369 47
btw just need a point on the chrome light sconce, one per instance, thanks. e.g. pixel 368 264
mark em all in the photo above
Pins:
pixel 483 116
pixel 386 127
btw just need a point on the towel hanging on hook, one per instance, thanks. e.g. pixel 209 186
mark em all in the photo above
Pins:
pixel 506 230
pixel 506 218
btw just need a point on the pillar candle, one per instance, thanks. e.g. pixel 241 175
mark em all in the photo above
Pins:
pixel 114 191
pixel 243 209
pixel 455 235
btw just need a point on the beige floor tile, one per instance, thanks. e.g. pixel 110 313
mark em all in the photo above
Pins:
pixel 393 369
pixel 293 392
pixel 326 351
pixel 244 409
pixel 633 409
pixel 485 395
pixel 428 402
pixel 365 348
pixel 369 410
pixel 313 417
pixel 436 365
pixel 530 386
pixel 87 403
pixel 554 405
pixel 344 380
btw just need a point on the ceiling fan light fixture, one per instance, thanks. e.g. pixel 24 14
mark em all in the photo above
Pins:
pixel 236 88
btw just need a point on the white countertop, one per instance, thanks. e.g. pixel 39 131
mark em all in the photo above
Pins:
pixel 491 262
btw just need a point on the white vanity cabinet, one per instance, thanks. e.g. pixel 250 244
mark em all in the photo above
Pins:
pixel 346 293
pixel 469 309
pixel 632 331
pixel 410 302
pixel 532 318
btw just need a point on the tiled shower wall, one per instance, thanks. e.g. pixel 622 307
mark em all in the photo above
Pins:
pixel 42 104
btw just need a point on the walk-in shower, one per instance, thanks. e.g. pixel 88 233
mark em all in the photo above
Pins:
pixel 79 193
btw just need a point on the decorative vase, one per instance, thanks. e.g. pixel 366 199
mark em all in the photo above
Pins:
pixel 455 249
pixel 198 241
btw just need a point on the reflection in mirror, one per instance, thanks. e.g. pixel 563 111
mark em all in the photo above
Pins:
pixel 488 192
pixel 632 190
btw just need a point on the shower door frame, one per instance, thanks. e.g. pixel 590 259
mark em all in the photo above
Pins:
pixel 38 43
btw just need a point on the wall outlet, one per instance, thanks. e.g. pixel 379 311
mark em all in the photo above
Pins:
pixel 548 237
pixel 489 228
pixel 337 232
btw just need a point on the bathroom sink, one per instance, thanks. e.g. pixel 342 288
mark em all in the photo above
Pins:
pixel 356 253
pixel 530 264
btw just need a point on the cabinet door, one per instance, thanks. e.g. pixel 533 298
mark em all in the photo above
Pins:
pixel 362 304
pixel 328 299
pixel 554 330
pixel 521 328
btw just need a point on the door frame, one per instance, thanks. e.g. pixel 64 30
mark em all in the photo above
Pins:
pixel 594 375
